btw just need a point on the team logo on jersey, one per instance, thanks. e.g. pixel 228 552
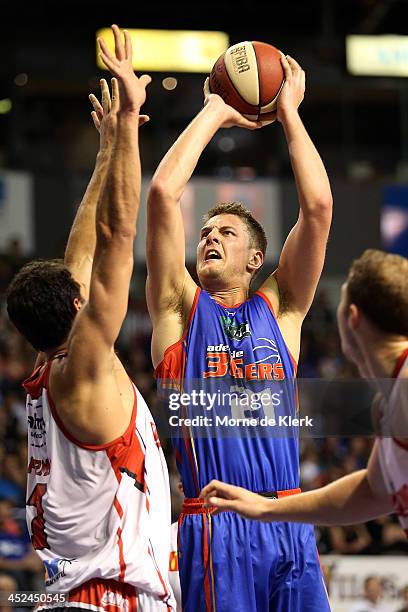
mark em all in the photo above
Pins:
pixel 235 331
pixel 272 350
pixel 55 569
pixel 115 600
pixel 36 427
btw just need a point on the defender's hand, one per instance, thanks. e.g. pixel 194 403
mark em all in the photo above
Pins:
pixel 229 498
pixel 131 88
pixel 104 117
pixel 293 90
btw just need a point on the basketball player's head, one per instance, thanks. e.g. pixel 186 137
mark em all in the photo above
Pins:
pixel 231 249
pixel 374 302
pixel 42 302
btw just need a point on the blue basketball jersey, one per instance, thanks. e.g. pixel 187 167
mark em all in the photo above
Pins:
pixel 240 429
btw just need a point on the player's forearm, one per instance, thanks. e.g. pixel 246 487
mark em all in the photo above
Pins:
pixel 179 163
pixel 82 238
pixel 346 501
pixel 120 198
pixel 310 174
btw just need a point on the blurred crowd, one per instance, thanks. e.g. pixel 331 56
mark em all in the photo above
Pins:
pixel 323 459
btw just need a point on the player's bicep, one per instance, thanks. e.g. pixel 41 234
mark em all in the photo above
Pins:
pixel 301 262
pixel 165 242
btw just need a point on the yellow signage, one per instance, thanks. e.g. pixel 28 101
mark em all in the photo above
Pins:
pixel 385 55
pixel 171 50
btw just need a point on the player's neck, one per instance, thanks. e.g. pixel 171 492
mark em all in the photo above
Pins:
pixel 382 354
pixel 231 296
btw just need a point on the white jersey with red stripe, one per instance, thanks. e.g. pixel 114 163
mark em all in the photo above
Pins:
pixel 98 512
pixel 393 452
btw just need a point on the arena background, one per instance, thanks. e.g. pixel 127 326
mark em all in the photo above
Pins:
pixel 47 150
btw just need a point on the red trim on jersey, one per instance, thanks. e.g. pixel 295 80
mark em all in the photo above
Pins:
pixel 206 565
pixel 400 362
pixel 166 592
pixel 268 302
pixel 400 443
pixel 124 438
pixel 122 563
pixel 158 372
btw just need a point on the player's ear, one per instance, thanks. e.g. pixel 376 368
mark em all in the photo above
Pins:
pixel 354 316
pixel 256 260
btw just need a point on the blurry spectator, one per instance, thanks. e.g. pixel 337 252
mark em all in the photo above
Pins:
pixel 350 540
pixel 7 585
pixel 373 593
pixel 17 556
pixel 404 597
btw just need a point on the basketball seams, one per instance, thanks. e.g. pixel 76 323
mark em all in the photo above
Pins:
pixel 238 93
pixel 259 83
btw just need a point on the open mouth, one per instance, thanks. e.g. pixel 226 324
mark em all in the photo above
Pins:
pixel 212 254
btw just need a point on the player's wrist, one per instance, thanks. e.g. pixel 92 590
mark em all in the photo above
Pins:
pixel 288 115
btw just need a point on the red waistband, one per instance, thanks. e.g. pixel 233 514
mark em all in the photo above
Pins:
pixel 195 505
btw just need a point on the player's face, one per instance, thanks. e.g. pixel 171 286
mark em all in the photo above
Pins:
pixel 223 251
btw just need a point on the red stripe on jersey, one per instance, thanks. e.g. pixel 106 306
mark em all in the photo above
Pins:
pixel 166 593
pixel 206 564
pixel 400 363
pixel 122 563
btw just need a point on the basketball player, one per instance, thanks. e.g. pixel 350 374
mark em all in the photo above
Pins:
pixel 98 506
pixel 373 324
pixel 219 335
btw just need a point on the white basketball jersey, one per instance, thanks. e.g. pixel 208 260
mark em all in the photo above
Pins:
pixel 97 512
pixel 393 453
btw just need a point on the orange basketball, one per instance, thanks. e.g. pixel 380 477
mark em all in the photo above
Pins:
pixel 249 77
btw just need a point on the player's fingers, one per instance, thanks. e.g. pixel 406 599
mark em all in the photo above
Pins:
pixel 145 80
pixel 96 121
pixel 286 68
pixel 220 503
pixel 211 487
pixel 115 95
pixel 128 45
pixel 106 100
pixel 143 119
pixel 119 46
pixel 206 86
pixel 96 105
pixel 293 64
pixel 111 64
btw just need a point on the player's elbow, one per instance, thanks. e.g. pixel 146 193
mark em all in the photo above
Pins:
pixel 115 233
pixel 161 192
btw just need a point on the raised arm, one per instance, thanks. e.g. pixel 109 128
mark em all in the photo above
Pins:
pixel 98 324
pixel 356 498
pixel 169 286
pixel 302 258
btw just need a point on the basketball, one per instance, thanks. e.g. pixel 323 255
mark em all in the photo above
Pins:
pixel 249 77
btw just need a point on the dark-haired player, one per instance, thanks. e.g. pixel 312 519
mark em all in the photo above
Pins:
pixel 98 506
pixel 220 336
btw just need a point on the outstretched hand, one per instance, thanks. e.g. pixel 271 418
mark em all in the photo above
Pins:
pixel 104 117
pixel 231 117
pixel 229 498
pixel 132 89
